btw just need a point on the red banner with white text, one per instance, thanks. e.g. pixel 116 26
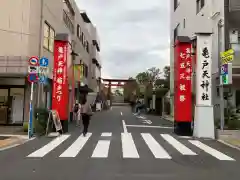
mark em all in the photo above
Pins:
pixel 60 79
pixel 183 83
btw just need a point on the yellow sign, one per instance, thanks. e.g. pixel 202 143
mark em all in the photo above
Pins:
pixel 227 56
pixel 78 72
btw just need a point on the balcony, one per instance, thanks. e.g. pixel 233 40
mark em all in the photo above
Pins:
pixel 13 66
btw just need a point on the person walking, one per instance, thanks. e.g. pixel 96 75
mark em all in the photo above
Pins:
pixel 77 113
pixel 86 112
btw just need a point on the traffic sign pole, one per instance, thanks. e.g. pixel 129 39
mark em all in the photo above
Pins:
pixel 30 123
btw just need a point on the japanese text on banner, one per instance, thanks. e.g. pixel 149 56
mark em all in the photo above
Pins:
pixel 205 75
pixel 185 74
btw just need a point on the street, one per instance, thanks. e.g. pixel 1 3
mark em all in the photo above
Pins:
pixel 121 146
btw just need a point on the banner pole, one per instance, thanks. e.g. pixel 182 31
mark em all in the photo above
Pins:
pixel 30 123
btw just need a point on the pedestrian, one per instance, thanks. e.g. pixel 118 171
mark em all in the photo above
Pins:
pixel 86 112
pixel 76 113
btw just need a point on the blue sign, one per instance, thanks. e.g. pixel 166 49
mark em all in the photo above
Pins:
pixel 224 69
pixel 43 62
pixel 43 79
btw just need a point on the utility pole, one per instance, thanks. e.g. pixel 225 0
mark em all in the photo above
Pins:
pixel 40 85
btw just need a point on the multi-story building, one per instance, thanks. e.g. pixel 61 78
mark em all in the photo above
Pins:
pixel 28 28
pixel 219 17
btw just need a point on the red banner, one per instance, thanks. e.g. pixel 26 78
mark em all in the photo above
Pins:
pixel 60 79
pixel 183 83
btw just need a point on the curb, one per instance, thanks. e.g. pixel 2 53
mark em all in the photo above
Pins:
pixel 12 141
pixel 228 144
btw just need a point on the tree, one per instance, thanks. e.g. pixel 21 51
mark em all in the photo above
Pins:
pixel 166 71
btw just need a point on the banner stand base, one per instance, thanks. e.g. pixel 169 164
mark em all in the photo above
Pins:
pixel 64 125
pixel 183 128
pixel 204 122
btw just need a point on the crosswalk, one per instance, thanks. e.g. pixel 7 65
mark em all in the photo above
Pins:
pixel 129 148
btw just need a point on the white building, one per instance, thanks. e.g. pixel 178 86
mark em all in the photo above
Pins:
pixel 219 17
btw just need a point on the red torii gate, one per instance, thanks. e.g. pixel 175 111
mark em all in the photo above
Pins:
pixel 119 83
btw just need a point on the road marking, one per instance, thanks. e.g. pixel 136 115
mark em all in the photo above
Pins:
pixel 121 113
pixel 124 126
pixel 155 147
pixel 49 147
pixel 101 150
pixel 177 145
pixel 161 127
pixel 211 151
pixel 107 134
pixel 129 149
pixel 141 117
pixel 147 121
pixel 76 147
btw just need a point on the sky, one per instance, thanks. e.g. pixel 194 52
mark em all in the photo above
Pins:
pixel 134 34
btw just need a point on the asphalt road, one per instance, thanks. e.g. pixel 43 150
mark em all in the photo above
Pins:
pixel 121 146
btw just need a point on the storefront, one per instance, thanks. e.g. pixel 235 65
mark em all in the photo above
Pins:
pixel 12 93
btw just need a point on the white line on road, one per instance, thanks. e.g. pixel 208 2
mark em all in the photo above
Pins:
pixel 101 150
pixel 177 145
pixel 106 134
pixel 211 151
pixel 76 147
pixel 124 126
pixel 147 121
pixel 161 127
pixel 49 147
pixel 121 113
pixel 155 147
pixel 129 149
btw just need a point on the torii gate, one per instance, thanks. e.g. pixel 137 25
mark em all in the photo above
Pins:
pixel 119 83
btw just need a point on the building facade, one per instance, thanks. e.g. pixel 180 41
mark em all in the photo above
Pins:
pixel 219 17
pixel 28 28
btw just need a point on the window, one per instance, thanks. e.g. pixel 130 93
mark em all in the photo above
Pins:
pixel 49 35
pixel 176 4
pixel 175 33
pixel 78 31
pixel 87 46
pixel 200 5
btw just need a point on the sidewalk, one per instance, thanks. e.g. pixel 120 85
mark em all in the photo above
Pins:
pixel 230 137
pixel 168 117
pixel 11 136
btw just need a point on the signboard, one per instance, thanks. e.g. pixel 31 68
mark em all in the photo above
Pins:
pixel 32 69
pixel 204 71
pixel 183 85
pixel 226 74
pixel 60 80
pixel 227 56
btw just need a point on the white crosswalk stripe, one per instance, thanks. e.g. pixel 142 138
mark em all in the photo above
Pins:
pixel 211 151
pixel 49 147
pixel 129 146
pixel 155 147
pixel 177 145
pixel 76 147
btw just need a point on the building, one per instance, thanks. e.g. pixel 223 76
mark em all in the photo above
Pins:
pixel 220 17
pixel 28 28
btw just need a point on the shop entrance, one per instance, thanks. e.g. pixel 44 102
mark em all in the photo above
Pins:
pixel 11 105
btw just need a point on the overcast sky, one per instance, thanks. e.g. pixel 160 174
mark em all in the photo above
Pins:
pixel 134 34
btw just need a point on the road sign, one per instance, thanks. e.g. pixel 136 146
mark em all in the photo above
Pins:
pixel 43 70
pixel 42 79
pixel 43 62
pixel 33 61
pixel 32 69
pixel 32 78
